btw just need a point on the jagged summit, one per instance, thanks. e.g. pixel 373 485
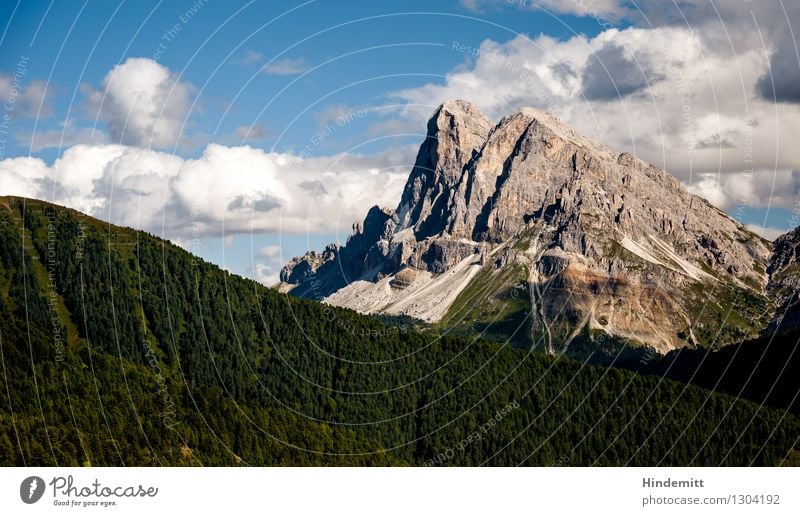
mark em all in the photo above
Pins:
pixel 456 132
pixel 460 109
pixel 598 240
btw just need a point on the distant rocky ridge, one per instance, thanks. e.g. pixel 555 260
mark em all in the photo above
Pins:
pixel 529 226
pixel 784 283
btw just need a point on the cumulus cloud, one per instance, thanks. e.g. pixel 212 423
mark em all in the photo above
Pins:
pixel 226 190
pixel 23 176
pixel 726 27
pixel 126 184
pixel 663 94
pixel 266 265
pixel 610 74
pixel 231 180
pixel 142 102
pixel 781 81
pixel 265 274
pixel 777 188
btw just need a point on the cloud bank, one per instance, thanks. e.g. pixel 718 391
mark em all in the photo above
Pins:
pixel 226 190
pixel 667 94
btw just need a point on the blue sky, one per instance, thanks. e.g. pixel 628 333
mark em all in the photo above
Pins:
pixel 281 76
pixel 388 45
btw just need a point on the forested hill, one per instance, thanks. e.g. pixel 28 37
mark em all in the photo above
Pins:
pixel 120 348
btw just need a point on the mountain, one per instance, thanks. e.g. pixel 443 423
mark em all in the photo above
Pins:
pixel 120 348
pixel 784 282
pixel 529 232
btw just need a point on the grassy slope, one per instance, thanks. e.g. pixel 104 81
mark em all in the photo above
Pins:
pixel 495 305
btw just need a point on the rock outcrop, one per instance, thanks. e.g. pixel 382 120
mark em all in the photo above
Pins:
pixel 784 281
pixel 606 242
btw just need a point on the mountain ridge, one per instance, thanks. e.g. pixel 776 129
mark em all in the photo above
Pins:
pixel 602 240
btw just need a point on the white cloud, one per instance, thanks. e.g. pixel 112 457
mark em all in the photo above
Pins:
pixel 612 9
pixel 767 232
pixel 267 263
pixel 265 274
pixel 142 102
pixel 235 189
pixel 26 98
pixel 249 58
pixel 776 188
pixel 270 192
pixel 67 136
pixel 228 180
pixel 24 177
pixel 255 132
pixel 285 67
pixel 269 251
pixel 127 185
pixel 683 105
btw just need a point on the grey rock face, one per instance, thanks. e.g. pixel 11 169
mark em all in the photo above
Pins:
pixel 456 133
pixel 784 280
pixel 603 235
pixel 299 269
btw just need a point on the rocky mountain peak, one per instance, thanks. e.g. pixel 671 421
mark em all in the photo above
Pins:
pixel 613 242
pixel 456 132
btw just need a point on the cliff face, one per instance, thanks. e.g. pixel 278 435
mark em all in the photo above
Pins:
pixel 528 222
pixel 784 280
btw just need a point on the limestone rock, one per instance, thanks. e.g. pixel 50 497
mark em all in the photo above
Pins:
pixel 784 280
pixel 604 237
